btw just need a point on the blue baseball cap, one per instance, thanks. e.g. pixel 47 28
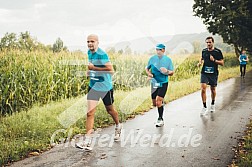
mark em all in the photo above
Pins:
pixel 160 46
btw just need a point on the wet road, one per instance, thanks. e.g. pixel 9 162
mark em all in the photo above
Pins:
pixel 186 139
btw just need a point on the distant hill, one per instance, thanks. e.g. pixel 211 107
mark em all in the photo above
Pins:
pixel 172 43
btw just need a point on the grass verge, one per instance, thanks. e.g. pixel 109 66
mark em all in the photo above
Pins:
pixel 243 150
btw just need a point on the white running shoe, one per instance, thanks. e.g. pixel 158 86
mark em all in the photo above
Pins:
pixel 203 111
pixel 118 131
pixel 160 122
pixel 86 144
pixel 212 108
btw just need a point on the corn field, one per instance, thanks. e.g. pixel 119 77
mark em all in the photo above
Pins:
pixel 28 78
pixel 37 77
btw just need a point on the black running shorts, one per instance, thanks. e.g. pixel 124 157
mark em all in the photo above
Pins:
pixel 106 96
pixel 160 91
pixel 209 79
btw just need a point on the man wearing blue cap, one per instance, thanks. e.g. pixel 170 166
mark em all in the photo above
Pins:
pixel 158 69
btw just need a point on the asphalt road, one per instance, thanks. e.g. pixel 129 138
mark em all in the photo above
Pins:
pixel 186 139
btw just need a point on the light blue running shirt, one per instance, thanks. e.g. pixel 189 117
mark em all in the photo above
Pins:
pixel 243 58
pixel 99 80
pixel 155 63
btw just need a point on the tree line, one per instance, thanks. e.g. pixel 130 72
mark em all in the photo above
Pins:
pixel 24 41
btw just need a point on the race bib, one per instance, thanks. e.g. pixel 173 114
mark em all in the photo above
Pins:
pixel 155 84
pixel 209 70
pixel 92 75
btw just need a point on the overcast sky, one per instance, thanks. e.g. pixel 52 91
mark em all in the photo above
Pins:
pixel 112 20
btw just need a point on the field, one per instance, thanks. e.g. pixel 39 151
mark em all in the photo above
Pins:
pixel 42 93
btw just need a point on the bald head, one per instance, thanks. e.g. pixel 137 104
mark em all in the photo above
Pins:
pixel 93 36
pixel 92 41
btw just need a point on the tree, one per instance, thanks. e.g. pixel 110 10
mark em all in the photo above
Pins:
pixel 58 45
pixel 120 52
pixel 127 50
pixel 9 41
pixel 230 19
pixel 23 42
pixel 27 42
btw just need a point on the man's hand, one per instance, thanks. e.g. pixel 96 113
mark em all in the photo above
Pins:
pixel 150 76
pixel 90 66
pixel 212 58
pixel 164 70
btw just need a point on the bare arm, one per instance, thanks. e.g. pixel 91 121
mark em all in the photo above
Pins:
pixel 149 73
pixel 108 67
pixel 219 62
pixel 166 71
pixel 200 62
pixel 239 58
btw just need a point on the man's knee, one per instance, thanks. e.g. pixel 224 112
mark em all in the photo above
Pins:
pixel 213 89
pixel 159 102
pixel 110 109
pixel 203 89
pixel 90 113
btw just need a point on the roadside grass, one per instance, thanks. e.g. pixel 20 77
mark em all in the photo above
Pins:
pixel 243 151
pixel 31 131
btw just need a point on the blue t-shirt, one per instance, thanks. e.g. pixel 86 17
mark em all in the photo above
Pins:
pixel 99 80
pixel 155 63
pixel 243 59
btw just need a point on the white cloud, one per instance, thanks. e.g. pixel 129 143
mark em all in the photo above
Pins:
pixel 113 20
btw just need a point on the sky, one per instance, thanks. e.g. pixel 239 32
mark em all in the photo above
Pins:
pixel 112 20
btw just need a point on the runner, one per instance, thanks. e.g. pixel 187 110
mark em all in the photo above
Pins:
pixel 158 69
pixel 211 58
pixel 100 86
pixel 243 59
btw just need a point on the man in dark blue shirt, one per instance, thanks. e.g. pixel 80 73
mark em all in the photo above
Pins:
pixel 211 58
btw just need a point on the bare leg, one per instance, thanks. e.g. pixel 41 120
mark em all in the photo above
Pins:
pixel 111 110
pixel 90 116
pixel 213 92
pixel 154 102
pixel 159 101
pixel 203 92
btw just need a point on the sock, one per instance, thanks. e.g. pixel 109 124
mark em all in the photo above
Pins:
pixel 160 112
pixel 117 125
pixel 213 102
pixel 204 104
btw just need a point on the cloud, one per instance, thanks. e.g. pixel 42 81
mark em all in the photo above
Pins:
pixel 16 4
pixel 114 20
